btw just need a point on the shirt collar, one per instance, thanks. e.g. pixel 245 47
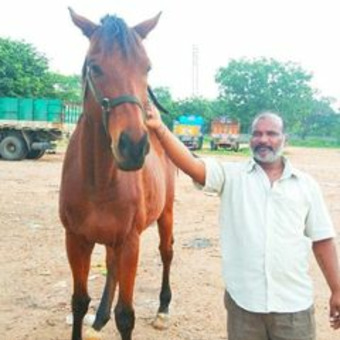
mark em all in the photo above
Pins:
pixel 288 171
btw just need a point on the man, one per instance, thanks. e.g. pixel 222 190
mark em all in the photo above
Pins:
pixel 271 215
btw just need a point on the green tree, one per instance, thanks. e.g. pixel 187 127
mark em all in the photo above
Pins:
pixel 23 70
pixel 66 88
pixel 336 130
pixel 322 121
pixel 249 86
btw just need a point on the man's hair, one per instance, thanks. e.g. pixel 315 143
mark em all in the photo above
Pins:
pixel 268 114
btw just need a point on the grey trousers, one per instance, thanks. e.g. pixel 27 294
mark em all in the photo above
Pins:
pixel 244 325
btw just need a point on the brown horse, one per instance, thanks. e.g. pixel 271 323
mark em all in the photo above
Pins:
pixel 116 179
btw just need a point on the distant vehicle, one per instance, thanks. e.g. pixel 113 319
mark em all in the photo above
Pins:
pixel 189 130
pixel 31 126
pixel 225 133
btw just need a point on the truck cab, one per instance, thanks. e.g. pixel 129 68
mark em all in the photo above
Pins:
pixel 225 133
pixel 189 130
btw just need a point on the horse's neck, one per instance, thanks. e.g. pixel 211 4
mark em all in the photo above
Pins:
pixel 96 161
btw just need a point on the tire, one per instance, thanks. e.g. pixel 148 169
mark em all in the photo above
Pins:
pixel 213 146
pixel 35 154
pixel 236 146
pixel 13 148
pixel 200 143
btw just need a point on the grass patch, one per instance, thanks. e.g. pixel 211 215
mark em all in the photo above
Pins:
pixel 314 143
pixel 243 151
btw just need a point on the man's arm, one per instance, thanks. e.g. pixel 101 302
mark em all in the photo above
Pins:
pixel 326 256
pixel 175 149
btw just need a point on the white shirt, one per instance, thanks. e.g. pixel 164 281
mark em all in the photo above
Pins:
pixel 266 233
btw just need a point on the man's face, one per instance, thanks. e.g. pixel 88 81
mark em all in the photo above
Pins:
pixel 267 140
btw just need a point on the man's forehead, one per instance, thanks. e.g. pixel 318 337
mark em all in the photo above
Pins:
pixel 268 123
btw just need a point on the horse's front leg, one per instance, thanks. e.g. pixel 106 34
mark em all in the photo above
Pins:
pixel 127 268
pixel 79 256
pixel 165 228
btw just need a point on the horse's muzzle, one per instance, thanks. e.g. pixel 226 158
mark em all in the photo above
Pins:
pixel 132 154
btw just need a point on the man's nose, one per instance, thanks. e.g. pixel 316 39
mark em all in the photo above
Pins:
pixel 264 138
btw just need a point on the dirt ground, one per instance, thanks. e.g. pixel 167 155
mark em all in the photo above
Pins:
pixel 35 280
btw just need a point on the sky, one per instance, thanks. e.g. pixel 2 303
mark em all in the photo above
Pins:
pixel 305 32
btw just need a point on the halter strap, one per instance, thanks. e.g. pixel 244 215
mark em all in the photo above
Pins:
pixel 109 103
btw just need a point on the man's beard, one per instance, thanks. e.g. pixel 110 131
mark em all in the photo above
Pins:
pixel 271 156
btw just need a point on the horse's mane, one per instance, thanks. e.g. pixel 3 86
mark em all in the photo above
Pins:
pixel 114 29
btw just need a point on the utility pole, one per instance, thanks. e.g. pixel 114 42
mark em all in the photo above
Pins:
pixel 195 69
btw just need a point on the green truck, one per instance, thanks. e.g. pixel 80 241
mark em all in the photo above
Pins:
pixel 31 126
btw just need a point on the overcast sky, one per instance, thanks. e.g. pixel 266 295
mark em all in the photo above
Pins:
pixel 302 31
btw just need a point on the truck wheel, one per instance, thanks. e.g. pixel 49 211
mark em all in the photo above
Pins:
pixel 236 146
pixel 200 143
pixel 35 154
pixel 13 148
pixel 213 146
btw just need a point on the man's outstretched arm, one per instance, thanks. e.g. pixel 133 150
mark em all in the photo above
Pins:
pixel 175 149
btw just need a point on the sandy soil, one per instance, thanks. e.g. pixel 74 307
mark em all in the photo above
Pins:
pixel 35 281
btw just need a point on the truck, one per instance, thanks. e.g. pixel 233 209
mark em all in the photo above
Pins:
pixel 189 129
pixel 30 126
pixel 225 133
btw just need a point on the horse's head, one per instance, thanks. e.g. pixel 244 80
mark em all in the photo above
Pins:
pixel 115 85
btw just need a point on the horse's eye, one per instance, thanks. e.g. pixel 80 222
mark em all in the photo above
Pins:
pixel 97 71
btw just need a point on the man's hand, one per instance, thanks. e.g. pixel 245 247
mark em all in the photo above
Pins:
pixel 153 118
pixel 334 304
pixel 327 258
pixel 175 149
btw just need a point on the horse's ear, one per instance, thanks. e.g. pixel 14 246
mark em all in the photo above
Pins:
pixel 145 27
pixel 86 26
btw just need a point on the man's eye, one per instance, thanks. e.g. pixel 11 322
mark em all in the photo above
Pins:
pixel 272 134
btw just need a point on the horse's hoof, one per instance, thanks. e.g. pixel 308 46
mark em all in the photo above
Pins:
pixel 161 321
pixel 88 319
pixel 92 334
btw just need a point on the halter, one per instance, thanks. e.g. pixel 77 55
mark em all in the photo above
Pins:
pixel 107 103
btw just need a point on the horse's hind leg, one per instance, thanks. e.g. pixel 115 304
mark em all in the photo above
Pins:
pixel 79 256
pixel 165 228
pixel 104 311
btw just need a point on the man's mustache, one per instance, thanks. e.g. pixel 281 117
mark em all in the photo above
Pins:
pixel 266 147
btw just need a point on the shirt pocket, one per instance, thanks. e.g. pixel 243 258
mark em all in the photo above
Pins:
pixel 290 212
